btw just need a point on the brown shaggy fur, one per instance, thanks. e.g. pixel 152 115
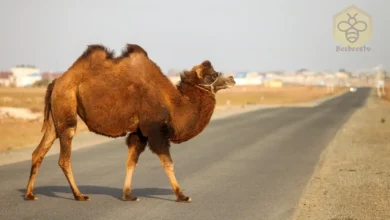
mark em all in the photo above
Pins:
pixel 129 94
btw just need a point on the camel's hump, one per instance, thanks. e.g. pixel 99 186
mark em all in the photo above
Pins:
pixel 133 48
pixel 102 52
pixel 129 49
pixel 97 47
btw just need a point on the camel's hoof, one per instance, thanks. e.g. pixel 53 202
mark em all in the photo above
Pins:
pixel 129 198
pixel 183 199
pixel 82 198
pixel 31 197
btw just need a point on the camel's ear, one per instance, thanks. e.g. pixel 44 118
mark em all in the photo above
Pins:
pixel 206 64
pixel 199 73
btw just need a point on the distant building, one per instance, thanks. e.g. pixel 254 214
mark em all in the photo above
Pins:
pixel 174 79
pixel 230 74
pixel 240 75
pixel 26 75
pixel 7 79
pixel 254 78
pixel 174 72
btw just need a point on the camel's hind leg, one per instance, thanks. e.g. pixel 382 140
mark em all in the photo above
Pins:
pixel 65 162
pixel 65 118
pixel 136 144
pixel 38 155
pixel 65 135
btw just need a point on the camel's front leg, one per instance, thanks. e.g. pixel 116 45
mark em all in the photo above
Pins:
pixel 167 164
pixel 159 145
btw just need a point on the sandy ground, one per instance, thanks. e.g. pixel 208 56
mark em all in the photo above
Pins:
pixel 352 179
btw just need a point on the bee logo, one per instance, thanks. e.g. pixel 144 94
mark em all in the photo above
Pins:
pixel 352 27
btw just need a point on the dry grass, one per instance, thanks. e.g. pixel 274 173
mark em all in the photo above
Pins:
pixel 32 98
pixel 16 133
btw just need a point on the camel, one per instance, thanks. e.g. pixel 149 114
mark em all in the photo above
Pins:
pixel 126 95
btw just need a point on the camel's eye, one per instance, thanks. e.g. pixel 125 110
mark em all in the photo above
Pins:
pixel 215 75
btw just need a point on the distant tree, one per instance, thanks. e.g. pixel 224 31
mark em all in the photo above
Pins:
pixel 342 70
pixel 27 66
pixel 41 83
pixel 302 70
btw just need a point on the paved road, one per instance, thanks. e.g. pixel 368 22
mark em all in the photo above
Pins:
pixel 250 166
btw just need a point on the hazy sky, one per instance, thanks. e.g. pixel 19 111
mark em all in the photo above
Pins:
pixel 240 35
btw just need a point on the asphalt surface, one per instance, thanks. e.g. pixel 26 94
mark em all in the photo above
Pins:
pixel 250 166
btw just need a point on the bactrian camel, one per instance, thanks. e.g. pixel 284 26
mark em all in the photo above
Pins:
pixel 126 95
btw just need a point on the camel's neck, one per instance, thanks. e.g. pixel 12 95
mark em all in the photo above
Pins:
pixel 193 114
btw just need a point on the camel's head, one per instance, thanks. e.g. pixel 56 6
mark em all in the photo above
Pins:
pixel 205 76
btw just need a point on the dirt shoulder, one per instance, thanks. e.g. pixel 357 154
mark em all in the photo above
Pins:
pixel 352 178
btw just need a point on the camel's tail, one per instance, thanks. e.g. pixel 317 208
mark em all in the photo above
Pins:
pixel 47 110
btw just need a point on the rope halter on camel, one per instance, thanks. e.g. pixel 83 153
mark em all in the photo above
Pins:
pixel 209 85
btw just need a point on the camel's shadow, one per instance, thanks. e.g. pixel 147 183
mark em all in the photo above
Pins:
pixel 51 191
